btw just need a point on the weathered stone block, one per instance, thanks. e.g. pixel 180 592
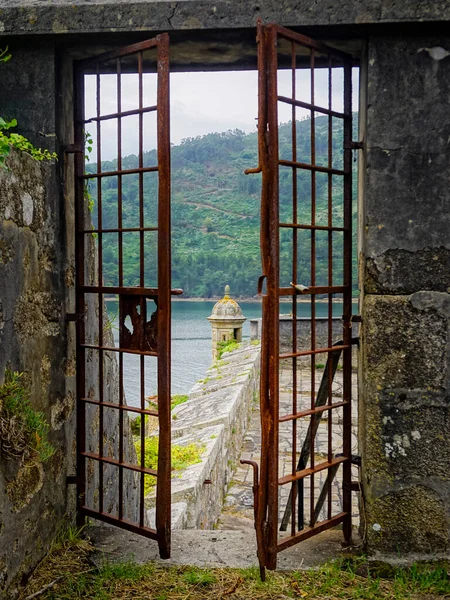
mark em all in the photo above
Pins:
pixel 404 421
pixel 410 520
pixel 404 346
pixel 407 197
pixel 404 272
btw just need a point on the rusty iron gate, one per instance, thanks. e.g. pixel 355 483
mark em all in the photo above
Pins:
pixel 298 495
pixel 112 480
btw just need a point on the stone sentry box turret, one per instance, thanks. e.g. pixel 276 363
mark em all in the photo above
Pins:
pixel 226 321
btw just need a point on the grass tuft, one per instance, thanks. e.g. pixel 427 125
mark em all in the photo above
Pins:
pixel 196 576
pixel 152 402
pixel 23 430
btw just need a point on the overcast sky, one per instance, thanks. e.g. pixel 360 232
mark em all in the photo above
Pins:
pixel 201 103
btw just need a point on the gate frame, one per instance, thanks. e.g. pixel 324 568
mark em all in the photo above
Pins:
pixel 266 497
pixel 161 295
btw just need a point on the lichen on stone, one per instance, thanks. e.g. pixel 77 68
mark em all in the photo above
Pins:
pixel 6 252
pixel 37 313
pixel 412 519
pixel 62 410
pixel 25 485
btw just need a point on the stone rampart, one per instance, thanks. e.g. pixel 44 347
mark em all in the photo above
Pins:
pixel 216 416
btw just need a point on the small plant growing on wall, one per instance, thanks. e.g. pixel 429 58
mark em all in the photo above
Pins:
pixel 23 431
pixel 182 457
pixel 10 140
pixel 227 346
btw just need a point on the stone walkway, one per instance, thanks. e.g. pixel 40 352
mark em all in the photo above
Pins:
pixel 238 507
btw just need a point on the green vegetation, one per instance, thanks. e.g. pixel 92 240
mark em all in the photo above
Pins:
pixel 199 577
pixel 5 55
pixel 15 140
pixel 177 399
pixel 70 575
pixel 182 457
pixel 216 213
pixel 23 431
pixel 227 346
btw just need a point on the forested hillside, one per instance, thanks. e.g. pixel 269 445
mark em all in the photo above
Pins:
pixel 215 213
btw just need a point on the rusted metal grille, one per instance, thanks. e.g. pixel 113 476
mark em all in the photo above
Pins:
pixel 110 475
pixel 300 497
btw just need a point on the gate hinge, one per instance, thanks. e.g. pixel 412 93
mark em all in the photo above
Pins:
pixel 356 460
pixel 73 317
pixel 354 146
pixel 71 479
pixel 73 148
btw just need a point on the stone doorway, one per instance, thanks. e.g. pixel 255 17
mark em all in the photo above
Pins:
pixel 179 513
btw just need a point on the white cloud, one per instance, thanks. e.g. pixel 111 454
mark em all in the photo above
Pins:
pixel 200 103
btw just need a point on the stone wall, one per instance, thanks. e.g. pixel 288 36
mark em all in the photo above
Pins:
pixel 36 288
pixel 33 501
pixel 405 278
pixel 304 336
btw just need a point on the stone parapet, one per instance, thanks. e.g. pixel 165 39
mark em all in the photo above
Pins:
pixel 304 336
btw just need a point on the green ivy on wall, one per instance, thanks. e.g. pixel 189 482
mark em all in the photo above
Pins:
pixel 10 140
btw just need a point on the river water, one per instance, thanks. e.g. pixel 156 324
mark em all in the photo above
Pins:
pixel 191 345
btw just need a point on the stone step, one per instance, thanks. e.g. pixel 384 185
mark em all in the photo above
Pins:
pixel 205 548
pixel 178 516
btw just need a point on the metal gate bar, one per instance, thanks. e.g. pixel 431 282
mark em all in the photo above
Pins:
pixel 273 40
pixel 148 337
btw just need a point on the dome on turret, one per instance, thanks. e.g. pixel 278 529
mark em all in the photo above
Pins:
pixel 226 308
